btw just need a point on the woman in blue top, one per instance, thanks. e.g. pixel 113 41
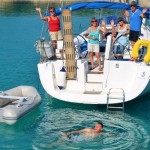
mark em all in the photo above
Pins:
pixel 121 39
pixel 92 34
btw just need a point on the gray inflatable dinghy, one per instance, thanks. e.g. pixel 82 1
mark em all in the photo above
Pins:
pixel 17 102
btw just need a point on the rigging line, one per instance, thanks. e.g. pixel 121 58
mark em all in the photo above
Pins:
pixel 101 12
pixel 44 23
pixel 61 3
pixel 42 29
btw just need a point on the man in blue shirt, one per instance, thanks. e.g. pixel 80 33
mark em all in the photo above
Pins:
pixel 136 17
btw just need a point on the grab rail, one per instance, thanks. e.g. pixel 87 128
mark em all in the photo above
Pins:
pixel 146 27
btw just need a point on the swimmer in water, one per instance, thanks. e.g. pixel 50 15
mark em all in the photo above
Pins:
pixel 87 131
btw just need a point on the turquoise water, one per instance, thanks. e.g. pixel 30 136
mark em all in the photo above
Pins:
pixel 20 27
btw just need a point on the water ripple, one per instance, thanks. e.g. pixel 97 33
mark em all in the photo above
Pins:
pixel 120 131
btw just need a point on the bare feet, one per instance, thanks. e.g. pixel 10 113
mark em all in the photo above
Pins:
pixel 100 69
pixel 91 68
pixel 133 59
pixel 118 56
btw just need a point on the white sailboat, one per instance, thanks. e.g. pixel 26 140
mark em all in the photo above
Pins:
pixel 119 82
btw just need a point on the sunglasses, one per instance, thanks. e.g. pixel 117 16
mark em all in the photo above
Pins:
pixel 132 5
pixel 94 21
pixel 52 11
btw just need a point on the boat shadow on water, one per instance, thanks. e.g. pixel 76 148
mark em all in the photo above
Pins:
pixel 132 106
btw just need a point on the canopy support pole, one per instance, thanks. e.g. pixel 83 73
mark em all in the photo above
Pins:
pixel 69 44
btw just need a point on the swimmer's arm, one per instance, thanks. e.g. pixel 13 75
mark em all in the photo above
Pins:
pixel 108 134
pixel 72 132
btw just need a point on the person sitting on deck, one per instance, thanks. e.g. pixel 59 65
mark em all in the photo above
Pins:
pixel 120 35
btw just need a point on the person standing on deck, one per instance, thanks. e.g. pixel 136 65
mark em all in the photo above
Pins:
pixel 92 34
pixel 54 27
pixel 136 17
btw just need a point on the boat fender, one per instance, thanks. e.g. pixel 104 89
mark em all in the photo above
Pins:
pixel 44 48
pixel 61 81
pixel 136 47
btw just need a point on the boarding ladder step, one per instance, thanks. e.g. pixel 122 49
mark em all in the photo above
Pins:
pixel 117 94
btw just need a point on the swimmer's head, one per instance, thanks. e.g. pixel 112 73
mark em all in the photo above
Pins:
pixel 99 126
pixel 100 123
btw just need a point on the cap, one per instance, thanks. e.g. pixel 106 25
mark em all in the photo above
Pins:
pixel 133 3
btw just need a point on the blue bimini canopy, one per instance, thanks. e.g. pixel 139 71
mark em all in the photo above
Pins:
pixel 99 5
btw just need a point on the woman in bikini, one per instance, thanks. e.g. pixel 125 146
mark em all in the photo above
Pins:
pixel 92 34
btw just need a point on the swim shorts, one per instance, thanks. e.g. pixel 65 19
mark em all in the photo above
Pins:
pixel 134 35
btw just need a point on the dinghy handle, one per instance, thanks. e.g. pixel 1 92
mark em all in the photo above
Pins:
pixel 2 93
pixel 25 100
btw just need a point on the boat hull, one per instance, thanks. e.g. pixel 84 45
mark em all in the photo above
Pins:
pixel 118 84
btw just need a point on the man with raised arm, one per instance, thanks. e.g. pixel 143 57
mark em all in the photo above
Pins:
pixel 136 17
